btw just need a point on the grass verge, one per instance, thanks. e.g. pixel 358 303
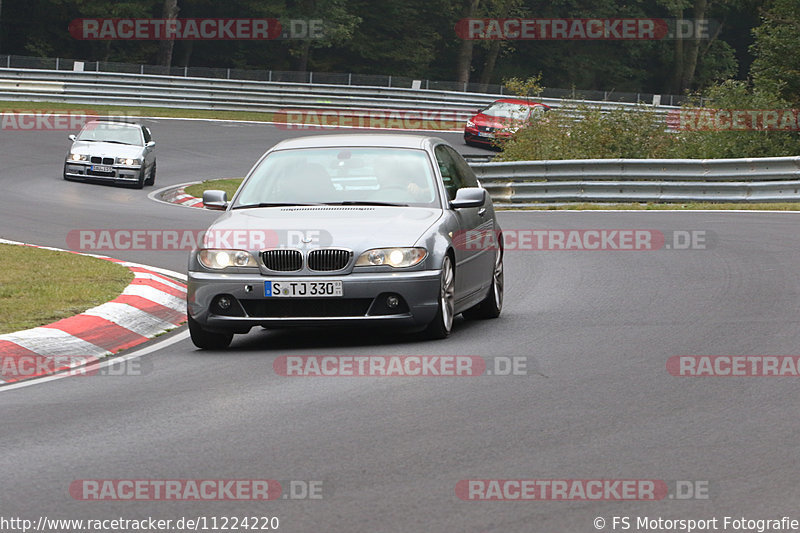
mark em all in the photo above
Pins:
pixel 229 185
pixel 133 112
pixel 38 286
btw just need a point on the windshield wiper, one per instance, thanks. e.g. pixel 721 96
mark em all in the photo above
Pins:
pixel 359 202
pixel 271 204
pixel 102 141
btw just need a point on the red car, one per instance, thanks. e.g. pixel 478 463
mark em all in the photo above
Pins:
pixel 500 120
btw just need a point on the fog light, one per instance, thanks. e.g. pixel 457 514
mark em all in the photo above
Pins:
pixel 392 302
pixel 224 302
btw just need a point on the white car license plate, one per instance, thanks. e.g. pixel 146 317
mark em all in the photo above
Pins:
pixel 101 168
pixel 485 134
pixel 303 289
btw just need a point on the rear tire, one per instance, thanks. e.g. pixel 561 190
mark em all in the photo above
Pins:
pixel 492 305
pixel 442 323
pixel 208 340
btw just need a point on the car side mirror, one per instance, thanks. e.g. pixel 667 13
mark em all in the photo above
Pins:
pixel 216 200
pixel 72 137
pixel 469 197
pixel 150 144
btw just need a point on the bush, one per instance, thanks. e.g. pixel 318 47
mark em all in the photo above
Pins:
pixel 638 133
pixel 619 133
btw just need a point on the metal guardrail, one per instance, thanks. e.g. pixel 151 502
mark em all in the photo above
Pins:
pixel 773 179
pixel 329 78
pixel 104 88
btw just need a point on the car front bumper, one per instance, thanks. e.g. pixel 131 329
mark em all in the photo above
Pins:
pixel 79 170
pixel 363 301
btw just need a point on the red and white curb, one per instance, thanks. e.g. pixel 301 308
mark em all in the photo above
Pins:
pixel 178 196
pixel 152 304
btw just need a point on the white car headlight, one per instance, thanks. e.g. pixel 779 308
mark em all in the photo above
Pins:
pixel 78 157
pixel 395 257
pixel 219 259
pixel 129 162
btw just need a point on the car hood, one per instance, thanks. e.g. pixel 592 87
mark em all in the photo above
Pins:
pixel 106 149
pixel 358 228
pixel 493 122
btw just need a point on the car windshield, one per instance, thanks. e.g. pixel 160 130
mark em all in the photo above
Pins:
pixel 114 133
pixel 507 110
pixel 348 176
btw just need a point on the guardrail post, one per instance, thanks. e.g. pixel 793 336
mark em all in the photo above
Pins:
pixel 186 72
pixel 269 77
pixel 58 63
pixel 8 61
pixel 390 81
pixel 311 77
pixel 141 70
pixel 349 78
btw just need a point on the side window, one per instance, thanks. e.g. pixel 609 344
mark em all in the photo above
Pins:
pixel 447 166
pixel 465 173
pixel 146 133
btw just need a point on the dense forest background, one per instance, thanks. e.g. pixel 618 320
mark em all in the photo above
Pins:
pixel 418 38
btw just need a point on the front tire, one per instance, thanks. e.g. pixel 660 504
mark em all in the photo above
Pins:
pixel 208 340
pixel 492 305
pixel 140 180
pixel 442 323
pixel 152 179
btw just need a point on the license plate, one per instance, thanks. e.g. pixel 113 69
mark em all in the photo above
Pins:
pixel 101 168
pixel 303 289
pixel 485 134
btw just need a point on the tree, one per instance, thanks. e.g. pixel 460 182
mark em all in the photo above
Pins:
pixel 690 50
pixel 464 61
pixel 165 46
pixel 338 26
pixel 777 50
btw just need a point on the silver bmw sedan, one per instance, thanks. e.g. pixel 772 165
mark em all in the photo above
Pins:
pixel 337 230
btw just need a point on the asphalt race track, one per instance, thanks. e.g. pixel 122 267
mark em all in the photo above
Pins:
pixel 596 329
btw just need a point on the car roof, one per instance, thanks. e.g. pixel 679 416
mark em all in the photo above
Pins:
pixel 392 140
pixel 520 101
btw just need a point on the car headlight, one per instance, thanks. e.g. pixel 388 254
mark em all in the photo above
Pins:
pixel 78 157
pixel 470 124
pixel 128 162
pixel 395 257
pixel 219 259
